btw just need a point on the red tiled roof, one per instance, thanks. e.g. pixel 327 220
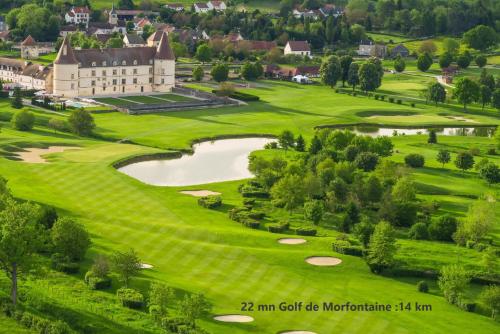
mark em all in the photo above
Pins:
pixel 29 41
pixel 81 10
pixel 299 46
pixel 263 45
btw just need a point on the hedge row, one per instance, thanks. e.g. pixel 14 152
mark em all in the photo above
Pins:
pixel 278 228
pixel 244 96
pixel 130 298
pixel 97 283
pixel 210 202
pixel 245 216
pixel 306 231
pixel 63 264
pixel 180 326
pixel 344 247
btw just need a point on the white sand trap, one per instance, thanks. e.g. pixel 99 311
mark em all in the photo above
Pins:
pixel 146 266
pixel 233 318
pixel 34 155
pixel 199 193
pixel 297 332
pixel 462 119
pixel 324 261
pixel 292 241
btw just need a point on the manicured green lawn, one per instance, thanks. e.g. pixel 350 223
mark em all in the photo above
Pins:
pixel 199 250
pixel 174 97
pixel 115 102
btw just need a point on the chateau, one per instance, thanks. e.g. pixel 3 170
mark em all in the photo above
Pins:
pixel 91 72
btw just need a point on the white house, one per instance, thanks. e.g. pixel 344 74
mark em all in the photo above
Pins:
pixel 78 15
pixel 24 74
pixel 300 48
pixel 301 79
pixel 133 41
pixel 178 7
pixel 219 6
pixel 201 7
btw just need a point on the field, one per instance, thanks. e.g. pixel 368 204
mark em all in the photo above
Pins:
pixel 199 250
pixel 143 99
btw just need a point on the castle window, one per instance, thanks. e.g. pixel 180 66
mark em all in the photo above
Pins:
pixel 162 81
pixel 124 71
pixel 124 81
pixel 135 71
pixel 72 86
pixel 93 83
pixel 115 72
pixel 135 62
pixel 124 62
pixel 150 80
pixel 72 76
pixel 93 73
pixel 150 70
pixel 104 63
pixel 115 81
pixel 94 64
pixel 151 61
pixel 103 73
pixel 135 80
pixel 115 63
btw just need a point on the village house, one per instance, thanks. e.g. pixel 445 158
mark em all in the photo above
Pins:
pixel 30 49
pixel 78 15
pixel 400 50
pixel 287 73
pixel 92 72
pixel 168 28
pixel 370 48
pixel 201 7
pixel 3 24
pixel 133 41
pixel 300 48
pixel 331 10
pixel 4 35
pixel 140 23
pixel 233 37
pixel 24 74
pixel 178 7
pixel 219 6
pixel 299 13
pixel 69 29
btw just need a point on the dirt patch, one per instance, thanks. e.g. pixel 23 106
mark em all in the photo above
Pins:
pixel 292 241
pixel 323 261
pixel 233 318
pixel 146 266
pixel 34 155
pixel 199 193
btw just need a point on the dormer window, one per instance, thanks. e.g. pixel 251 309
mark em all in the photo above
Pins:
pixel 135 62
pixel 124 62
pixel 151 61
pixel 94 64
pixel 104 63
pixel 115 63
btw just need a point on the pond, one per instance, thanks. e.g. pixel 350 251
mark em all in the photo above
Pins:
pixel 374 131
pixel 213 161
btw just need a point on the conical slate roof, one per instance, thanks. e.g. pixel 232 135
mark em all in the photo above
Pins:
pixel 66 54
pixel 164 51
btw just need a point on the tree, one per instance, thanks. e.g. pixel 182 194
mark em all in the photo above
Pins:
pixel 160 295
pixel 313 211
pixel 432 137
pixel 464 161
pixel 445 60
pixel 495 98
pixel 418 231
pixel 404 190
pixel 451 45
pixel 382 247
pixel 220 72
pixel 436 93
pixel 17 101
pixel 443 228
pixel 23 120
pixel 20 238
pixel 330 71
pixel 316 145
pixel 487 79
pixel 203 53
pixel 286 139
pixel 463 61
pixel 363 231
pixel 126 264
pixel 345 65
pixel 114 42
pixel 490 172
pixel 443 156
pixel 399 64
pixel 424 62
pixel 125 4
pixel 481 37
pixel 466 91
pixel 484 95
pixel 490 296
pixel 194 306
pixel 427 47
pixel 251 71
pixel 81 122
pixel 366 161
pixel 300 144
pixel 453 281
pixel 481 61
pixel 100 267
pixel 477 224
pixel 198 73
pixel 415 160
pixel 290 191
pixel 57 124
pixel 353 76
pixel 368 77
pixel 70 238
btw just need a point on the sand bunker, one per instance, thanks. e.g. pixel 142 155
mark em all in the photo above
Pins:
pixel 461 119
pixel 297 332
pixel 34 155
pixel 233 318
pixel 292 241
pixel 324 261
pixel 199 193
pixel 146 266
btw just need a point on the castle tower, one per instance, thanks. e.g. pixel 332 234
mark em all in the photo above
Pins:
pixel 164 66
pixel 29 48
pixel 66 71
pixel 113 16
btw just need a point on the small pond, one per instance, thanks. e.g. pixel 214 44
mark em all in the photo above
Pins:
pixel 444 131
pixel 214 161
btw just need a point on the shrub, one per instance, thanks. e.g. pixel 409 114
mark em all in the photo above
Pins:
pixel 418 232
pixel 422 286
pixel 377 96
pixel 130 298
pixel 23 120
pixel 466 304
pixel 443 228
pixel 248 202
pixel 366 161
pixel 415 160
pixel 251 223
pixel 95 282
pixel 307 231
pixel 62 263
pixel 210 202
pixel 491 151
pixel 391 99
pixel 237 213
pixel 399 102
pixel 256 215
pixel 278 228
pixel 382 97
pixel 70 238
pixel 412 105
pixel 244 96
pixel 58 327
